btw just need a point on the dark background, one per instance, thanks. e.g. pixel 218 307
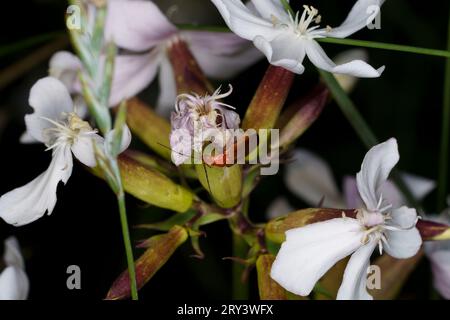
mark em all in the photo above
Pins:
pixel 84 228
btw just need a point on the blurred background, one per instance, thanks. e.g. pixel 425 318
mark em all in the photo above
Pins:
pixel 84 228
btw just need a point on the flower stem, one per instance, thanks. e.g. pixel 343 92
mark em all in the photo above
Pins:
pixel 127 242
pixel 387 46
pixel 443 166
pixel 240 289
pixel 288 7
pixel 361 127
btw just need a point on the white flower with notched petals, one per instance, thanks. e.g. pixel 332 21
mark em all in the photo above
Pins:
pixel 310 251
pixel 56 124
pixel 286 39
pixel 14 283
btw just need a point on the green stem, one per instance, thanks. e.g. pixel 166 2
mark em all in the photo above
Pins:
pixel 347 42
pixel 127 242
pixel 361 127
pixel 240 289
pixel 387 46
pixel 288 7
pixel 349 109
pixel 443 167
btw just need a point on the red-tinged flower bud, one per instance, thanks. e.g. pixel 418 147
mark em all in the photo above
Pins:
pixel 160 249
pixel 302 114
pixel 269 99
pixel 188 75
pixel 433 231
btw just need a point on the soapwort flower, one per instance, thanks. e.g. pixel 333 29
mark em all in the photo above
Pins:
pixel 14 284
pixel 140 27
pixel 310 251
pixel 56 124
pixel 286 39
pixel 198 119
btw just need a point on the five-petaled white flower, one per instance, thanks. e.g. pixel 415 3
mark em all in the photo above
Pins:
pixel 56 124
pixel 310 251
pixel 286 39
pixel 14 284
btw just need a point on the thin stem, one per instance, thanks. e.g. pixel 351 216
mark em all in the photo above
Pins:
pixel 443 166
pixel 387 46
pixel 361 127
pixel 347 42
pixel 288 7
pixel 127 242
pixel 240 289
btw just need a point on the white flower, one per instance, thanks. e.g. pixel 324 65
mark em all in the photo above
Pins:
pixel 310 251
pixel 140 26
pixel 14 283
pixel 56 124
pixel 287 39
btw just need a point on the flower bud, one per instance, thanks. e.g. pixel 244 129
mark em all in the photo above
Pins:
pixel 223 184
pixel 433 231
pixel 152 129
pixel 152 186
pixel 301 115
pixel 268 288
pixel 188 75
pixel 160 249
pixel 269 99
pixel 276 229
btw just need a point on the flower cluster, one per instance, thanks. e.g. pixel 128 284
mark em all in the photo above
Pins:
pixel 125 45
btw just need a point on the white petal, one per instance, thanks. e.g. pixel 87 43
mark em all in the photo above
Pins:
pixel 357 68
pixel 27 138
pixel 403 244
pixel 65 66
pixel 348 82
pixel 243 22
pixel 132 74
pixel 310 178
pixel 354 283
pixel 50 99
pixel 375 169
pixel 359 17
pixel 137 25
pixel 270 8
pixel 309 252
pixel 30 202
pixel 14 284
pixel 13 256
pixel 83 148
pixel 221 55
pixel 404 217
pixel 279 207
pixel 284 51
pixel 167 89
